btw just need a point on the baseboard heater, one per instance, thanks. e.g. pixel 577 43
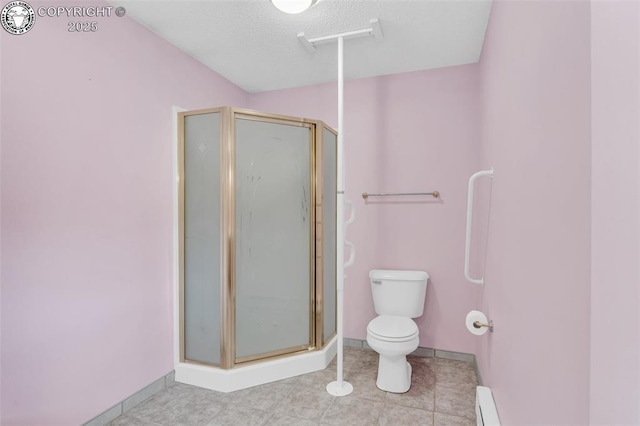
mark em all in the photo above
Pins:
pixel 486 412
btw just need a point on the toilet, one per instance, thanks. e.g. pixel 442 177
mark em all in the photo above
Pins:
pixel 398 296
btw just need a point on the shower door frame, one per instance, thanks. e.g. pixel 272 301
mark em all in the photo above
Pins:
pixel 228 116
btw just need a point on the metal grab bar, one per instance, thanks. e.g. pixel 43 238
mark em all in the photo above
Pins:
pixel 365 195
pixel 467 250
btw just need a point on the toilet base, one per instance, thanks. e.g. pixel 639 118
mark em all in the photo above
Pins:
pixel 394 374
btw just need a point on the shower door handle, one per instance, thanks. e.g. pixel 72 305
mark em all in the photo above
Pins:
pixel 467 249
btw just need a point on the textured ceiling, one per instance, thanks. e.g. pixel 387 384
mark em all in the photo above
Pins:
pixel 254 45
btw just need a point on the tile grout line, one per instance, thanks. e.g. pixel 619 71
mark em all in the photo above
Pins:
pixel 435 390
pixel 109 414
pixel 324 413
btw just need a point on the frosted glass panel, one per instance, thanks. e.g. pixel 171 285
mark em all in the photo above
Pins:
pixel 202 237
pixel 329 231
pixel 273 236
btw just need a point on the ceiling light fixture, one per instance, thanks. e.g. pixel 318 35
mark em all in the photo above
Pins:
pixel 293 6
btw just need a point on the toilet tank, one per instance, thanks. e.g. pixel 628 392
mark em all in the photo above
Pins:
pixel 399 293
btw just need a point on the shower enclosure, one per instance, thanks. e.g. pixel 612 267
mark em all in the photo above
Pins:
pixel 257 245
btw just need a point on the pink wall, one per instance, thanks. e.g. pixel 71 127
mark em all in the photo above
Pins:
pixel 86 175
pixel 85 179
pixel 615 208
pixel 1 127
pixel 535 79
pixel 405 133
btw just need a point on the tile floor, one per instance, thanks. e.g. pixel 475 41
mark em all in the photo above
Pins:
pixel 442 393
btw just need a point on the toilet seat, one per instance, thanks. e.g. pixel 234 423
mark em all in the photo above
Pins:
pixel 392 328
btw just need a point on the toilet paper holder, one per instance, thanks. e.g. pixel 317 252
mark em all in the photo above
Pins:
pixel 478 324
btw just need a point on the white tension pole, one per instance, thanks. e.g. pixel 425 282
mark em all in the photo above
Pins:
pixel 340 387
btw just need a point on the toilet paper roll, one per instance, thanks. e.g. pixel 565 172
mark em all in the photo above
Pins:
pixel 474 316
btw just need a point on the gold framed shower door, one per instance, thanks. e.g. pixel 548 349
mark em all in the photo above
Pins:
pixel 228 118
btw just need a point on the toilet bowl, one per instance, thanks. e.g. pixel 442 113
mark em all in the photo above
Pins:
pixel 398 296
pixel 393 337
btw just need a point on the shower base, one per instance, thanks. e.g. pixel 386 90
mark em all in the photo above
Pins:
pixel 259 373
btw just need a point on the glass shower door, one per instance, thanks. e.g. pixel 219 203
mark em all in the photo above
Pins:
pixel 274 244
pixel 201 226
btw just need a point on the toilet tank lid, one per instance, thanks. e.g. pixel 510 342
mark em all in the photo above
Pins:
pixel 390 274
